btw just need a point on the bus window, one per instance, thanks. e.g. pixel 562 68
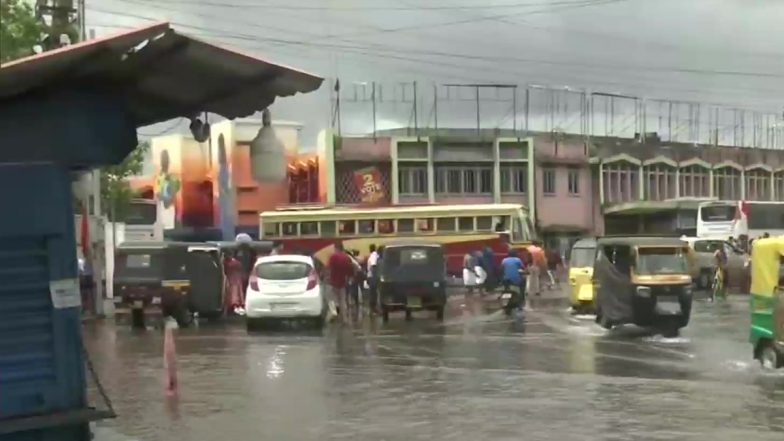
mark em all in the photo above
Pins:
pixel 386 226
pixel 308 228
pixel 270 229
pixel 405 225
pixel 424 225
pixel 446 224
pixel 367 227
pixel 484 223
pixel 289 228
pixel 465 224
pixel 328 229
pixel 347 227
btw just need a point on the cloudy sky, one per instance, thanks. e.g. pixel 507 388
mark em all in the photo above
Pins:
pixel 714 51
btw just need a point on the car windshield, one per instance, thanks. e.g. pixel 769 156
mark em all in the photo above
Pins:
pixel 661 260
pixel 283 270
pixel 582 257
pixel 707 246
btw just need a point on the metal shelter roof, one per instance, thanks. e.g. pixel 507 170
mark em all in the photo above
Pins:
pixel 162 75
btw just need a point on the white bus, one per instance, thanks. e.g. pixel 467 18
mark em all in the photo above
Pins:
pixel 142 222
pixel 719 219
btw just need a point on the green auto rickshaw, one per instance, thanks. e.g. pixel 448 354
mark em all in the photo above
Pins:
pixel 767 309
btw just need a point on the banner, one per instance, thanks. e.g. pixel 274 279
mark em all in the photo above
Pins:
pixel 368 183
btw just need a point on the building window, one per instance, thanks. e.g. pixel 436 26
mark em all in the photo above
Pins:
pixel 464 180
pixel 726 184
pixel 758 185
pixel 694 182
pixel 659 182
pixel 778 186
pixel 621 182
pixel 574 181
pixel 412 180
pixel 548 181
pixel 514 179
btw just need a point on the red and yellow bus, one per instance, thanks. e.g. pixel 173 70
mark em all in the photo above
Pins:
pixel 460 228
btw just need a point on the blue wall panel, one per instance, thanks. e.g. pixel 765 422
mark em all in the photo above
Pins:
pixel 41 362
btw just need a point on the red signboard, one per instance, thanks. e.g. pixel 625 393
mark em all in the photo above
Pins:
pixel 368 183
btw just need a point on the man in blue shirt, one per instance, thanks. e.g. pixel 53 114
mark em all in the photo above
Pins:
pixel 512 272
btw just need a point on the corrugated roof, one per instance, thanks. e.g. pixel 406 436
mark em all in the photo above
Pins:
pixel 162 74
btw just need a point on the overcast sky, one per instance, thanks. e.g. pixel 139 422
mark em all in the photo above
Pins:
pixel 717 51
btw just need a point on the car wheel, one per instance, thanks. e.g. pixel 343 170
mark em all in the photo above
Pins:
pixel 253 324
pixel 704 281
pixel 440 313
pixel 409 314
pixel 770 358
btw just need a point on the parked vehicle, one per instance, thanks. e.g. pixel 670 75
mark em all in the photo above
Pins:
pixel 767 306
pixel 284 287
pixel 206 274
pixel 580 273
pixel 704 263
pixel 153 276
pixel 412 278
pixel 643 281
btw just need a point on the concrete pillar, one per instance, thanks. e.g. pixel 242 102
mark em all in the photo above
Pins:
pixel 497 171
pixel 641 184
pixel 742 185
pixel 431 173
pixel 712 190
pixel 601 183
pixel 677 182
pixel 394 192
pixel 772 197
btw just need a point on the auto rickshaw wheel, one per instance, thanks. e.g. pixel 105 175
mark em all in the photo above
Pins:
pixel 184 317
pixel 409 314
pixel 384 314
pixel 137 318
pixel 769 357
pixel 604 322
pixel 440 313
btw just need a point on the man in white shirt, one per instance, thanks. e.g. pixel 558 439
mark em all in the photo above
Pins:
pixel 372 263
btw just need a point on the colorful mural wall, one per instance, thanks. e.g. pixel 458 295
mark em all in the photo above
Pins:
pixel 211 185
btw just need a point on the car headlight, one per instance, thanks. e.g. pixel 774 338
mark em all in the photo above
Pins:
pixel 436 284
pixel 381 279
pixel 644 291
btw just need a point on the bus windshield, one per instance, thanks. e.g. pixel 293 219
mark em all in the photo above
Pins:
pixel 141 213
pixel 717 213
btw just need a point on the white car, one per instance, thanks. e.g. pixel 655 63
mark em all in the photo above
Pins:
pixel 284 287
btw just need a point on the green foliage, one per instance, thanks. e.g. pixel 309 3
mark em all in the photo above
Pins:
pixel 116 193
pixel 20 30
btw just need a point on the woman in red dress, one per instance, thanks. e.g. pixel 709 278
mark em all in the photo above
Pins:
pixel 235 298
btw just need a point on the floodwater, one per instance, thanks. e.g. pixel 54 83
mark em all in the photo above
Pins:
pixel 475 376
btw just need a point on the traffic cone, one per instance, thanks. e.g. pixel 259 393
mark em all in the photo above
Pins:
pixel 170 385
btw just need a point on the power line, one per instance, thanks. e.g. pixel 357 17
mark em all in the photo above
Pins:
pixel 364 50
pixel 362 8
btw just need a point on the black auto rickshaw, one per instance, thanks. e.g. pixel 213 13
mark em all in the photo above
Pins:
pixel 153 277
pixel 412 277
pixel 205 272
pixel 645 281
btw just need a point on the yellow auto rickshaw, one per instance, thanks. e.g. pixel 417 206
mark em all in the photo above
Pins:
pixel 767 307
pixel 581 262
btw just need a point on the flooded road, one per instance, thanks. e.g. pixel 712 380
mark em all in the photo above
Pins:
pixel 476 376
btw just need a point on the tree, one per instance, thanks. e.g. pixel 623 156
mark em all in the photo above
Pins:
pixel 20 30
pixel 116 192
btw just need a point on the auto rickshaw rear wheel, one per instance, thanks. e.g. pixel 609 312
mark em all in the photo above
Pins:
pixel 769 357
pixel 409 314
pixel 384 314
pixel 184 317
pixel 440 313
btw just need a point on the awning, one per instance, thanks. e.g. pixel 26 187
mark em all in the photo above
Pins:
pixel 161 73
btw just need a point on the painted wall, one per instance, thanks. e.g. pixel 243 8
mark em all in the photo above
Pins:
pixel 563 210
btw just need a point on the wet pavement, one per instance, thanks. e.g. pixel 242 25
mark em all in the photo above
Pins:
pixel 476 376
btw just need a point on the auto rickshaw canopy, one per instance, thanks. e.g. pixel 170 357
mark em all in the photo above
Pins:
pixel 765 263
